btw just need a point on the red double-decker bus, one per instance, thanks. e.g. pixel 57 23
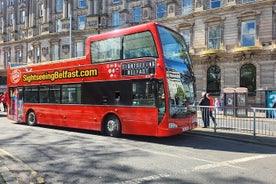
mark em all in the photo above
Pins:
pixel 135 80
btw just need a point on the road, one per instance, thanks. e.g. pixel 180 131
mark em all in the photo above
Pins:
pixel 63 156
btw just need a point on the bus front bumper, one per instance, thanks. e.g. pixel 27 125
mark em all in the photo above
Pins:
pixel 176 126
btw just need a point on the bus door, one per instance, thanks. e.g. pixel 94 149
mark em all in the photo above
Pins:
pixel 15 104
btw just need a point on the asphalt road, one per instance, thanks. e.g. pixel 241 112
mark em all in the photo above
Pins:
pixel 64 156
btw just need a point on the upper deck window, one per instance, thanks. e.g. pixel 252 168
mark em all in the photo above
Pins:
pixel 106 50
pixel 174 46
pixel 117 48
pixel 144 46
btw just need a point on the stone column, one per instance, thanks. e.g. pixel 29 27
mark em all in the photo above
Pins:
pixel 90 7
pixel 96 7
pixel 103 7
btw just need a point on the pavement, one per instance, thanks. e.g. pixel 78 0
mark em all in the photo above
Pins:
pixel 14 171
pixel 236 136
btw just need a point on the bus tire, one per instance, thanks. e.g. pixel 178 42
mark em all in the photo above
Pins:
pixel 112 126
pixel 31 118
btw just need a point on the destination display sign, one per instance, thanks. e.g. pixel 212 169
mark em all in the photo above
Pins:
pixel 138 68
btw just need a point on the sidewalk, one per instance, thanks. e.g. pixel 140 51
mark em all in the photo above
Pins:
pixel 6 176
pixel 236 136
pixel 13 170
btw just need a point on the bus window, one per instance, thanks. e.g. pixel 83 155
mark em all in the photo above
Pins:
pixel 54 94
pixel 106 50
pixel 71 94
pixel 144 46
pixel 44 94
pixel 107 93
pixel 143 93
pixel 160 97
pixel 117 97
pixel 31 94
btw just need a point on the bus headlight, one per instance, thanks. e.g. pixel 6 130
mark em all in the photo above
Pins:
pixel 172 125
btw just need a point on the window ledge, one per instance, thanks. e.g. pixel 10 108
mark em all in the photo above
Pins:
pixel 239 49
pixel 215 51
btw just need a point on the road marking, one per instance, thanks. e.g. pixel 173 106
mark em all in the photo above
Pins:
pixel 231 162
pixel 197 168
pixel 182 156
pixel 4 153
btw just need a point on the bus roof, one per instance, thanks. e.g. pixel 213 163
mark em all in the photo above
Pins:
pixel 123 31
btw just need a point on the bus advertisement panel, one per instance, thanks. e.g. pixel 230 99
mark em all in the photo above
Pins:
pixel 136 80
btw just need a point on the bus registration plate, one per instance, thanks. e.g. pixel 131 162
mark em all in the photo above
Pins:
pixel 186 128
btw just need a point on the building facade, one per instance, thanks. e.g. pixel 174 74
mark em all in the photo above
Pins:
pixel 232 42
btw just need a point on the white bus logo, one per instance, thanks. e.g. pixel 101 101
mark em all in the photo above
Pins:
pixel 15 76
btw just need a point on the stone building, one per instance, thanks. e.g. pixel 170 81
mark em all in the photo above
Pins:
pixel 232 42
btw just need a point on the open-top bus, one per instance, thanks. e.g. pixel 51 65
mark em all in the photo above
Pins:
pixel 136 80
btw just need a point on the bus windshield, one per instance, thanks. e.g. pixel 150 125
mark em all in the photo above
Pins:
pixel 179 73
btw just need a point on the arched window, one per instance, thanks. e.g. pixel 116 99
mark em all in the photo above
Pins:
pixel 213 80
pixel 248 78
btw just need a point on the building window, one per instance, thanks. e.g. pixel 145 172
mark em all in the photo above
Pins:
pixel 37 58
pixel 82 4
pixel 55 52
pixel 214 37
pixel 247 1
pixel 161 10
pixel 213 80
pixel 198 3
pixel 215 4
pixel 11 3
pixel 1 24
pixel 41 10
pixel 79 49
pixel 11 19
pixel 187 7
pixel 81 22
pixel 59 5
pixel 22 16
pixel 248 33
pixel 18 56
pixel 187 36
pixel 248 78
pixel 137 15
pixel 1 6
pixel 58 25
pixel 7 58
pixel 116 19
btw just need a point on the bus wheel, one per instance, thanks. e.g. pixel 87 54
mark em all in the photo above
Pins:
pixel 112 126
pixel 31 118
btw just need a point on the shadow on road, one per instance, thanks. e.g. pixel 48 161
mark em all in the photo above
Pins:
pixel 185 140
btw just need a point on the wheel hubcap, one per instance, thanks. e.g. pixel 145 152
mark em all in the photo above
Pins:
pixel 111 125
pixel 31 118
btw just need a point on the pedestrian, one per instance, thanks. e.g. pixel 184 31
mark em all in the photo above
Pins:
pixel 211 109
pixel 204 102
pixel 2 102
pixel 217 105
